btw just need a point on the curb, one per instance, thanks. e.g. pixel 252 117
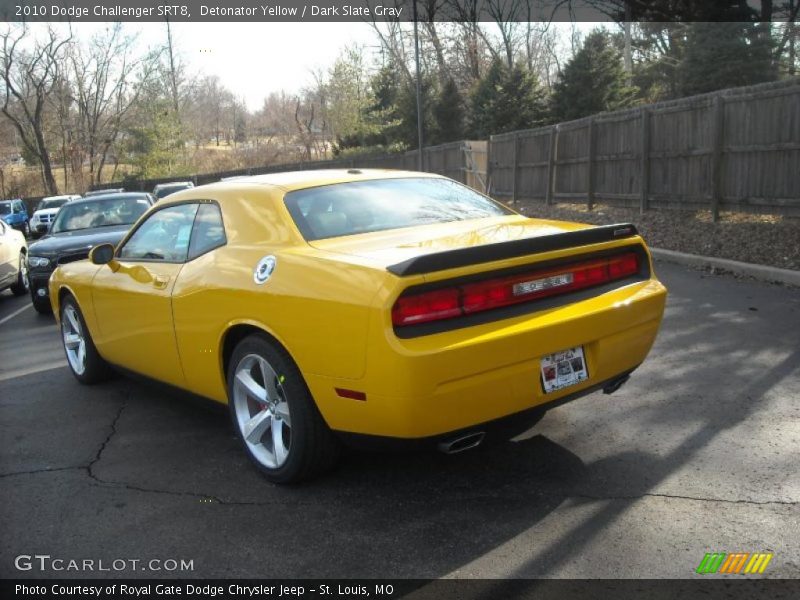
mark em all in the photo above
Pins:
pixel 761 272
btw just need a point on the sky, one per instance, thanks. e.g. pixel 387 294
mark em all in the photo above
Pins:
pixel 254 59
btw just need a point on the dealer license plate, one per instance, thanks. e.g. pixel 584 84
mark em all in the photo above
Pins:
pixel 563 369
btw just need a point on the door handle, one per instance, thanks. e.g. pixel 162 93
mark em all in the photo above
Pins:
pixel 160 281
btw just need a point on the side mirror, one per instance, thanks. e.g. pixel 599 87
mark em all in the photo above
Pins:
pixel 102 254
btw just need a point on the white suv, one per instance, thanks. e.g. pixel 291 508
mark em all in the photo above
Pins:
pixel 46 211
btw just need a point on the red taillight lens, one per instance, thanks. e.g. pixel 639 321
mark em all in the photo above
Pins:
pixel 428 306
pixel 504 291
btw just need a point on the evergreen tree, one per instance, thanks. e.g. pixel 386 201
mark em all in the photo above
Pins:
pixel 483 101
pixel 520 103
pixel 723 55
pixel 593 81
pixel 448 114
pixel 405 132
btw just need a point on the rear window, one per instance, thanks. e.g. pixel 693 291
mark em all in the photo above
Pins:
pixel 362 206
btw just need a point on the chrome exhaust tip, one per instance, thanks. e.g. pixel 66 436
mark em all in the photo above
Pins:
pixel 459 444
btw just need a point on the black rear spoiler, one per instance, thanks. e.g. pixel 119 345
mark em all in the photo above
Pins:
pixel 451 259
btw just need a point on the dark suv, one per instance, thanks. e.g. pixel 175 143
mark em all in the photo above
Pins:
pixel 79 226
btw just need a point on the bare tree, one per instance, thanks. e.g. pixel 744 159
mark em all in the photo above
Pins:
pixel 107 81
pixel 26 79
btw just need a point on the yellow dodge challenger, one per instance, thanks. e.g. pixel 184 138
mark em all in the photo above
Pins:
pixel 361 306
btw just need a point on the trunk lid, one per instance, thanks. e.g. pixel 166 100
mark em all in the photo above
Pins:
pixel 387 248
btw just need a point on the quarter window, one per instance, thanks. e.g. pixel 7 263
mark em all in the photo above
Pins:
pixel 163 236
pixel 208 232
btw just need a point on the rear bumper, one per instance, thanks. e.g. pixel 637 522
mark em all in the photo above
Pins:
pixel 498 429
pixel 435 385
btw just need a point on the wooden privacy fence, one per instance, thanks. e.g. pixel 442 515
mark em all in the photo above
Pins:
pixel 734 149
pixel 463 161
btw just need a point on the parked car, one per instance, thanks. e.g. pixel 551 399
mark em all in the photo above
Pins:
pixel 15 213
pixel 79 226
pixel 91 193
pixel 162 190
pixel 13 262
pixel 46 211
pixel 361 306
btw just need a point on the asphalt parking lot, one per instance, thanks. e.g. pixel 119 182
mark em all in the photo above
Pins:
pixel 698 453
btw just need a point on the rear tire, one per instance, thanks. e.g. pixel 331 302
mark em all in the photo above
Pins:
pixel 274 414
pixel 84 361
pixel 20 288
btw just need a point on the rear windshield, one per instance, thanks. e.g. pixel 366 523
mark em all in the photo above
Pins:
pixel 123 210
pixel 362 206
pixel 5 208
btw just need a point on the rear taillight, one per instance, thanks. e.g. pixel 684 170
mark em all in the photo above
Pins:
pixel 470 298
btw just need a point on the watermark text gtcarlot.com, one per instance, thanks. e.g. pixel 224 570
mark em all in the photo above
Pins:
pixel 45 562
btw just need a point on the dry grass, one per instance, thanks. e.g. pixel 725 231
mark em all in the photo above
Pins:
pixel 762 239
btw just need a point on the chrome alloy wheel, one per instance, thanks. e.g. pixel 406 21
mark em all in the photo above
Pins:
pixel 262 412
pixel 74 341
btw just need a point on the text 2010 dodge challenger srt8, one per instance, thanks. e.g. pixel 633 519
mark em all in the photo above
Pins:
pixel 330 306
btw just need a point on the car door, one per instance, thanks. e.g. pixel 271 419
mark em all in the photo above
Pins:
pixel 132 295
pixel 7 256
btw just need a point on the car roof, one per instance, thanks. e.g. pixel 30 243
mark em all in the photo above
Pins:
pixel 111 196
pixel 297 180
pixel 171 183
pixel 60 197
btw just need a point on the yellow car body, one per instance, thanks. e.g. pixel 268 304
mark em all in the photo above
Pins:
pixel 328 303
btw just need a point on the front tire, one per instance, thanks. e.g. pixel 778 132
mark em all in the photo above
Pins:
pixel 83 359
pixel 275 416
pixel 41 305
pixel 21 287
pixel 26 229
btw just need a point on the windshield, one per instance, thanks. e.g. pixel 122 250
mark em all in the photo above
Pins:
pixel 52 203
pixel 99 213
pixel 362 206
pixel 5 208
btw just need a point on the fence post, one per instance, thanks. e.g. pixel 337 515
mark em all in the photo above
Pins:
pixel 645 186
pixel 590 167
pixel 716 157
pixel 551 165
pixel 489 166
pixel 515 167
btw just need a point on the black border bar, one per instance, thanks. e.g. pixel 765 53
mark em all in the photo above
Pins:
pixel 385 11
pixel 694 586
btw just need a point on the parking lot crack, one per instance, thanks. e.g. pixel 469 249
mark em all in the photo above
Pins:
pixel 691 498
pixel 44 470
pixel 113 430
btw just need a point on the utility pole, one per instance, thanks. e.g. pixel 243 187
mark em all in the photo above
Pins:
pixel 628 58
pixel 419 90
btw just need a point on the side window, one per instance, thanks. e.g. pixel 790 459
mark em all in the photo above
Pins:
pixel 163 236
pixel 208 232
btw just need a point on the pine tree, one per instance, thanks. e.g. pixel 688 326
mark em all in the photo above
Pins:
pixel 593 81
pixel 405 132
pixel 483 101
pixel 448 115
pixel 520 103
pixel 723 55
